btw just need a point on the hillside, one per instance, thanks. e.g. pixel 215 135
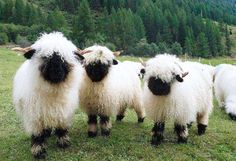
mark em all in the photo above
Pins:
pixel 139 27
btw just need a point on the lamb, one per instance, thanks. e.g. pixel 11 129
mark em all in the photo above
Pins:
pixel 225 88
pixel 179 91
pixel 45 92
pixel 107 88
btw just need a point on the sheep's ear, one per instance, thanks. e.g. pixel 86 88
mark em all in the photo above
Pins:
pixel 117 53
pixel 142 71
pixel 29 54
pixel 180 78
pixel 28 51
pixel 114 62
pixel 82 52
pixel 79 56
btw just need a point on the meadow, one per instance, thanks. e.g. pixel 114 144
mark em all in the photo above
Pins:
pixel 128 140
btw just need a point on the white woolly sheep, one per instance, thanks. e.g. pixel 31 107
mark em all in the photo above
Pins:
pixel 45 92
pixel 107 88
pixel 225 88
pixel 168 94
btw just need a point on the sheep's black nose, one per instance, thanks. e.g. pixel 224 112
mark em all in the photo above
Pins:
pixel 158 87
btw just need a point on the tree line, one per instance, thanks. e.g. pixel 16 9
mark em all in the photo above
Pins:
pixel 138 27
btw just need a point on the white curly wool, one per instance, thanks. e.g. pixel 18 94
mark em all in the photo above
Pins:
pixel 119 89
pixel 225 87
pixel 187 100
pixel 100 53
pixel 39 103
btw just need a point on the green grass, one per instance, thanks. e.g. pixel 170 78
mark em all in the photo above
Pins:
pixel 128 141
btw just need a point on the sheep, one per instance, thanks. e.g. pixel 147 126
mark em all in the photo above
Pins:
pixel 107 88
pixel 45 90
pixel 179 91
pixel 225 88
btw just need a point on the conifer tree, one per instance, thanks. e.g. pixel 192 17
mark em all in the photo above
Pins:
pixel 228 43
pixel 202 46
pixel 18 16
pixel 83 27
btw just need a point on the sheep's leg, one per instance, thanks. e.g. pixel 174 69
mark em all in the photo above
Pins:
pixel 105 125
pixel 230 108
pixel 157 133
pixel 220 100
pixel 92 126
pixel 140 113
pixel 182 133
pixel 47 132
pixel 121 114
pixel 202 120
pixel 38 146
pixel 63 140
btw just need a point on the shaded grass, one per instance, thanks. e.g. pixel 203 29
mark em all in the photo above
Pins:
pixel 128 141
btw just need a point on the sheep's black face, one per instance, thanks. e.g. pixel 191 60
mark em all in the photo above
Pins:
pixel 96 71
pixel 54 69
pixel 158 87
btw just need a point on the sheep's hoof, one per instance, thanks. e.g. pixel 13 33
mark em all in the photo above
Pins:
pixel 47 132
pixel 232 116
pixel 92 134
pixel 182 140
pixel 63 145
pixel 201 129
pixel 157 140
pixel 105 132
pixel 141 120
pixel 41 154
pixel 119 117
pixel 63 142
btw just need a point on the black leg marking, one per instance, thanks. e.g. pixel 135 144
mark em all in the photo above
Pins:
pixel 181 133
pixel 92 120
pixel 105 126
pixel 63 140
pixel 37 146
pixel 47 132
pixel 232 116
pixel 157 133
pixel 119 117
pixel 189 125
pixel 201 129
pixel 141 120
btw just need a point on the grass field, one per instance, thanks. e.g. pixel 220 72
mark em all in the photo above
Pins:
pixel 128 141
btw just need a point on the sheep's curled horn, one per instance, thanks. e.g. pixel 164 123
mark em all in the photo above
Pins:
pixel 28 51
pixel 180 78
pixel 82 52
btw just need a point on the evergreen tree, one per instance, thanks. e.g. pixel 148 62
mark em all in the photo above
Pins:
pixel 211 37
pixel 83 27
pixel 18 16
pixel 176 49
pixel 1 10
pixel 56 20
pixel 125 28
pixel 146 12
pixel 228 43
pixel 202 46
pixel 189 44
pixel 8 11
